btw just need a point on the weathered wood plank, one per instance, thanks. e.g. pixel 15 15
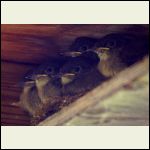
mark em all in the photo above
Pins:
pixel 34 43
pixel 127 107
pixel 31 29
pixel 99 93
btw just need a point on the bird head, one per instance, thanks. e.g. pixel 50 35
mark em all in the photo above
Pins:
pixel 82 44
pixel 103 52
pixel 111 44
pixel 42 79
pixel 79 46
pixel 73 69
pixel 47 72
pixel 49 68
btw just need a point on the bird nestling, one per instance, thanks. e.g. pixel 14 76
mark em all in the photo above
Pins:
pixel 118 51
pixel 81 45
pixel 30 101
pixel 110 63
pixel 78 76
pixel 48 82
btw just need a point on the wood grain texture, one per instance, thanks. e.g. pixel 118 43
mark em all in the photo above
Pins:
pixel 27 49
pixel 99 93
pixel 35 43
pixel 11 75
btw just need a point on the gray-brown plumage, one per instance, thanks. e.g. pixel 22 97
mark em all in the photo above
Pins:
pixel 110 63
pixel 30 101
pixel 49 89
pixel 78 76
pixel 41 88
pixel 49 67
pixel 118 51
pixel 82 45
pixel 47 81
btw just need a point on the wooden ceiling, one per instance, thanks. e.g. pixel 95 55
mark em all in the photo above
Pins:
pixel 23 46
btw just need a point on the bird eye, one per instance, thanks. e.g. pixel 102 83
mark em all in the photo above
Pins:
pixel 111 44
pixel 84 48
pixel 27 77
pixel 49 70
pixel 102 51
pixel 77 69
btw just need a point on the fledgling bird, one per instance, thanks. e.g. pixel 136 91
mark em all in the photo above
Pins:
pixel 47 80
pixel 30 101
pixel 78 76
pixel 49 91
pixel 110 63
pixel 82 45
pixel 49 87
pixel 118 51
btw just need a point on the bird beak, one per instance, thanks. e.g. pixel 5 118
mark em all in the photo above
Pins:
pixel 99 49
pixel 29 82
pixel 67 78
pixel 40 76
pixel 72 53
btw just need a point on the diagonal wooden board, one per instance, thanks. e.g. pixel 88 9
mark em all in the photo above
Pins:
pixel 127 107
pixel 99 93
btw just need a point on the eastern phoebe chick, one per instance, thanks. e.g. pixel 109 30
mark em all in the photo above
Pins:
pixel 78 76
pixel 49 91
pixel 30 101
pixel 82 45
pixel 49 88
pixel 110 63
pixel 118 51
